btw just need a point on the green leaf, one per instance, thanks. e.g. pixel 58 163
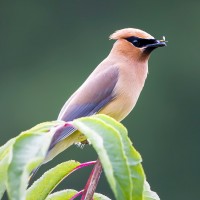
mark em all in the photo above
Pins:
pixel 62 195
pixel 28 152
pixel 98 196
pixel 5 149
pixel 42 128
pixel 68 194
pixel 120 161
pixel 5 158
pixel 148 194
pixel 44 185
pixel 108 145
pixel 134 158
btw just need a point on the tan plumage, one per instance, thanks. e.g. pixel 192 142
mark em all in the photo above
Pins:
pixel 113 87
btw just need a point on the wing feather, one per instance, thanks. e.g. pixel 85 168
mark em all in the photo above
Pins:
pixel 90 98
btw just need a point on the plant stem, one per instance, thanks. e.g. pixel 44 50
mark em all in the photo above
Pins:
pixel 77 194
pixel 92 182
pixel 86 164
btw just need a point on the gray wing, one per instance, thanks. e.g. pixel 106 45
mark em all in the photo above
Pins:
pixel 93 95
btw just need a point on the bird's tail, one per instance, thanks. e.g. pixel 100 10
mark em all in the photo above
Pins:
pixel 63 138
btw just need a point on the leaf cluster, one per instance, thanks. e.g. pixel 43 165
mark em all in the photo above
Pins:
pixel 120 160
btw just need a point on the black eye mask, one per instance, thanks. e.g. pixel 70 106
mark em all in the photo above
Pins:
pixel 140 42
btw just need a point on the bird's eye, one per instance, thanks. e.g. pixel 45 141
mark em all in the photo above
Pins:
pixel 136 43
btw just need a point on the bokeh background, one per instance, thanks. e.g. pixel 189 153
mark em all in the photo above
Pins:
pixel 48 48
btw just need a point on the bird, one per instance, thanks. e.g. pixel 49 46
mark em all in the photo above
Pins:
pixel 113 88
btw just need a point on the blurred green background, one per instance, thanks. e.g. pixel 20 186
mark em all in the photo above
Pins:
pixel 48 48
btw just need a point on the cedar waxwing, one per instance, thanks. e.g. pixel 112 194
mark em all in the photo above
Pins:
pixel 112 88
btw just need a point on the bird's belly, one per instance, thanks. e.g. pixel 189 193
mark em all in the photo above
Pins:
pixel 119 108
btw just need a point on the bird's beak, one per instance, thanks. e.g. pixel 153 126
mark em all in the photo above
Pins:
pixel 157 43
pixel 160 43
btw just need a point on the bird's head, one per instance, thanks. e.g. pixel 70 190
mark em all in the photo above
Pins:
pixel 136 43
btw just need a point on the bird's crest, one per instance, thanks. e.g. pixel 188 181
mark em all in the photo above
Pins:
pixel 129 32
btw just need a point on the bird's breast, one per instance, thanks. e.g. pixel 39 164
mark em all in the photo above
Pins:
pixel 128 88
